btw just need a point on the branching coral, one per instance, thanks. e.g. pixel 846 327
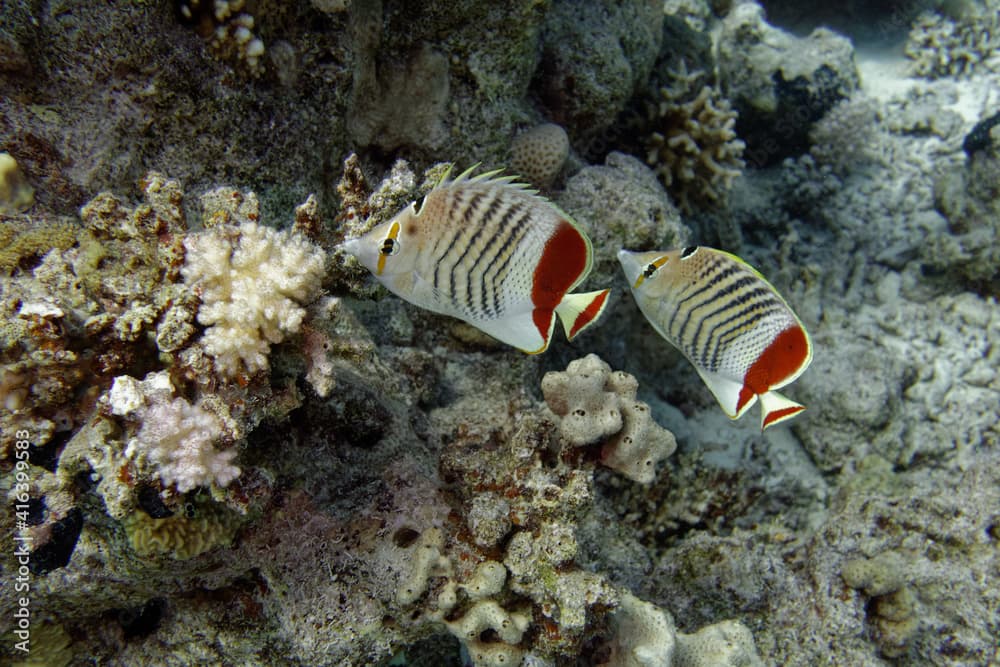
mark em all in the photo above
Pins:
pixel 252 281
pixel 177 439
pixel 83 304
pixel 694 148
pixel 940 46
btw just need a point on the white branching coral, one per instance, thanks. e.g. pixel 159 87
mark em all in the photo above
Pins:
pixel 176 440
pixel 252 281
pixel 694 148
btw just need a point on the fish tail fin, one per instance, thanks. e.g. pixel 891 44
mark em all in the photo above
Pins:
pixel 579 311
pixel 775 408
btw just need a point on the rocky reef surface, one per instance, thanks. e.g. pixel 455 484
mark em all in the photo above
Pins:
pixel 223 443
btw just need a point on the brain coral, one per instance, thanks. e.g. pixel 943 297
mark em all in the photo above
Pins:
pixel 694 148
pixel 252 281
pixel 539 154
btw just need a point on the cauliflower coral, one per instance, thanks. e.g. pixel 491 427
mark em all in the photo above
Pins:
pixel 252 281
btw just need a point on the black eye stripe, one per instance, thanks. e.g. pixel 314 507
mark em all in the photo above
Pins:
pixel 688 251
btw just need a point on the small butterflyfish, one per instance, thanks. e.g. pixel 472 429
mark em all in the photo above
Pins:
pixel 728 320
pixel 492 252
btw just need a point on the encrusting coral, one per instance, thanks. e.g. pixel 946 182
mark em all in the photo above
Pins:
pixel 595 405
pixel 893 614
pixel 643 635
pixel 252 281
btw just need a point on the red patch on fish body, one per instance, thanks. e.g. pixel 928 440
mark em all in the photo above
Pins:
pixel 564 258
pixel 780 360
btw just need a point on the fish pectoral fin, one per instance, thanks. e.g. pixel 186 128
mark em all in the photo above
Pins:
pixel 579 311
pixel 727 392
pixel 775 408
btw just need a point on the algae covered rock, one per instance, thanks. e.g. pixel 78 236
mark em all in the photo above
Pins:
pixel 780 84
pixel 595 56
pixel 621 204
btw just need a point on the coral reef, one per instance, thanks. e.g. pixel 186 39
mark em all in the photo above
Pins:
pixel 847 136
pixel 222 443
pixel 968 197
pixel 594 58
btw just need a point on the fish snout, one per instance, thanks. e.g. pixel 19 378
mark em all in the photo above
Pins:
pixel 630 265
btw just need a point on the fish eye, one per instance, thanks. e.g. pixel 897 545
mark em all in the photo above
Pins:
pixel 390 246
pixel 649 270
pixel 688 251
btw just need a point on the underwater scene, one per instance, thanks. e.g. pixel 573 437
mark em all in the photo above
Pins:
pixel 552 333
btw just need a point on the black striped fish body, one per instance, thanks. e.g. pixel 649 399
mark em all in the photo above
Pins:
pixel 728 320
pixel 491 252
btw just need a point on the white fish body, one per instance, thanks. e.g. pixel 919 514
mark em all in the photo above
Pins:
pixel 728 320
pixel 491 252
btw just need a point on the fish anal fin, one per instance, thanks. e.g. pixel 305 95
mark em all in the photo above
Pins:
pixel 775 408
pixel 727 392
pixel 579 311
pixel 524 330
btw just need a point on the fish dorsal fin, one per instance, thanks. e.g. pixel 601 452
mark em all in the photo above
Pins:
pixel 726 392
pixel 494 177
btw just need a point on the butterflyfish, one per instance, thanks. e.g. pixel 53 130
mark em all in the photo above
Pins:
pixel 492 252
pixel 728 320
